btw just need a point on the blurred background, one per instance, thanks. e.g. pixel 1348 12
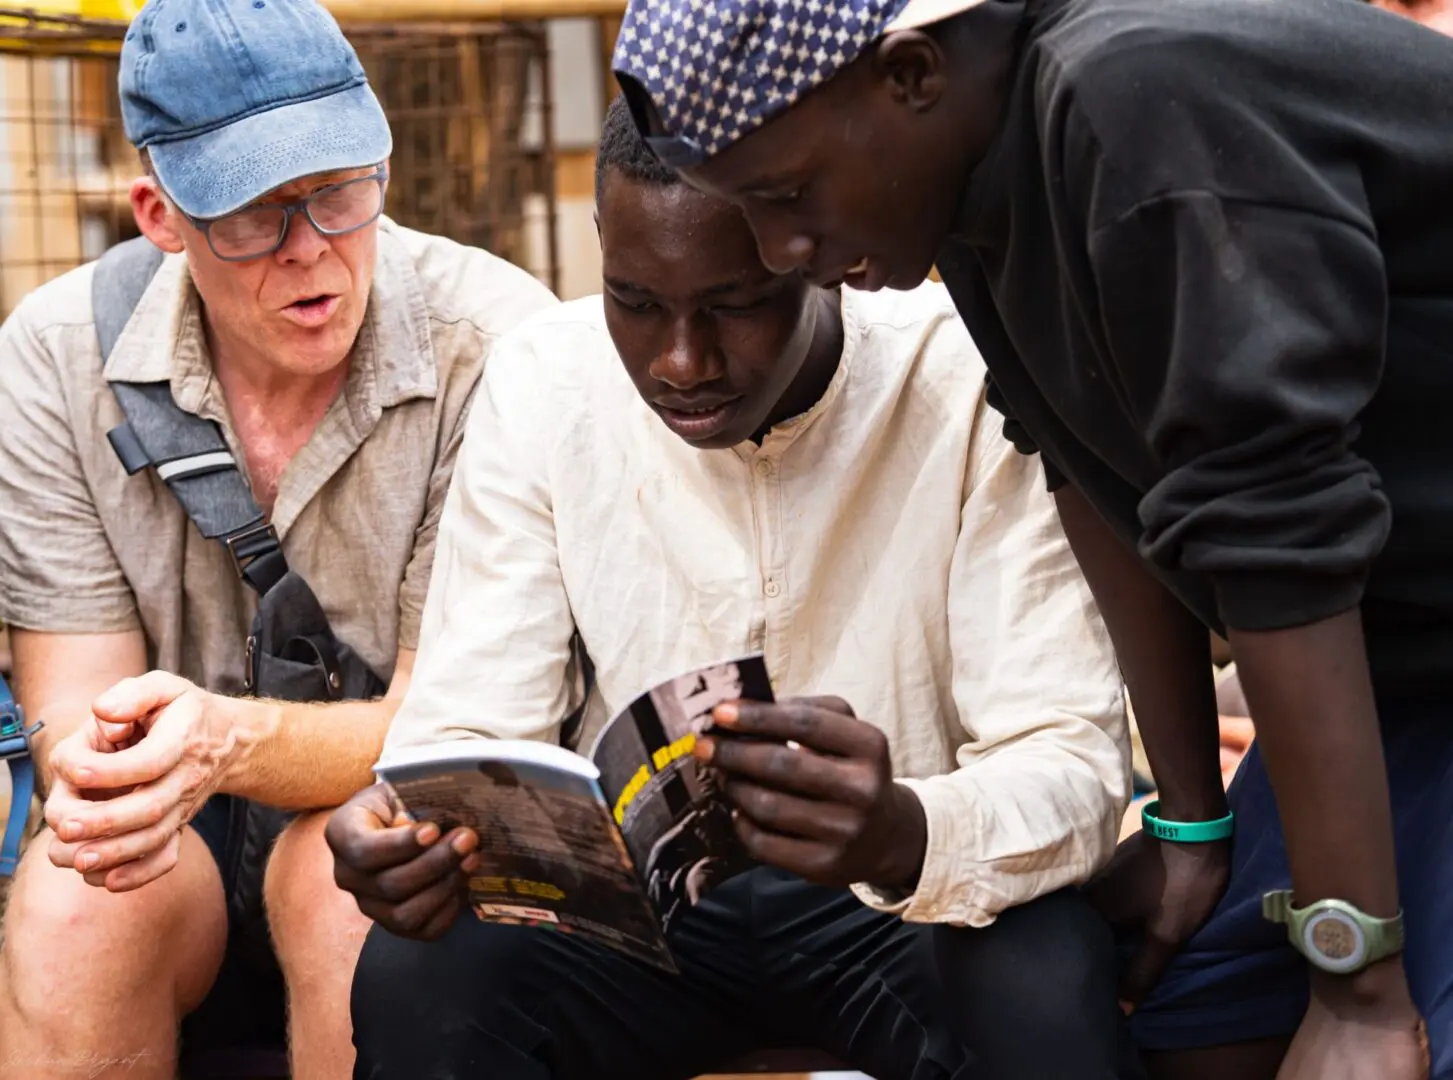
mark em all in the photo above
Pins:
pixel 495 106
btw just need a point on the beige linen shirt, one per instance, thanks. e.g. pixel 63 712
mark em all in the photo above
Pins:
pixel 86 548
pixel 887 546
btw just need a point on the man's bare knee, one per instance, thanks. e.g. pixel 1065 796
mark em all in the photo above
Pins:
pixel 72 951
pixel 316 927
pixel 318 931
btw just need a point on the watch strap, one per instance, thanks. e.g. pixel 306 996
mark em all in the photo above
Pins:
pixel 1276 906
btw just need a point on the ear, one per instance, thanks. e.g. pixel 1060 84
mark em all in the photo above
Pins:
pixel 912 66
pixel 155 217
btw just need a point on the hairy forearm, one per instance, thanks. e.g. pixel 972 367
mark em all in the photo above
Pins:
pixel 304 756
pixel 1165 657
pixel 1310 694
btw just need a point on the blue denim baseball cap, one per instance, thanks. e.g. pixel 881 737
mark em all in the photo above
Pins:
pixel 234 98
pixel 716 71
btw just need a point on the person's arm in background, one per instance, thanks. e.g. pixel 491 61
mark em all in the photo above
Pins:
pixel 1042 782
pixel 1434 14
pixel 1237 730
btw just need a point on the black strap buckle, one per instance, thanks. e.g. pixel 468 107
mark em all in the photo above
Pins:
pixel 248 545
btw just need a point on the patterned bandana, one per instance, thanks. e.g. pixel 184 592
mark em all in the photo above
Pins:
pixel 716 70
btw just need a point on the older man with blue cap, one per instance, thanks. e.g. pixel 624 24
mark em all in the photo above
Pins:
pixel 225 448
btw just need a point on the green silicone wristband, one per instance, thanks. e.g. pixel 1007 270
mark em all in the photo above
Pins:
pixel 1184 832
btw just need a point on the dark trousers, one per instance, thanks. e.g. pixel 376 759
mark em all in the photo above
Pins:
pixel 766 960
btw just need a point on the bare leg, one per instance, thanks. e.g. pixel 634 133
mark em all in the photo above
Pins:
pixel 319 932
pixel 1257 1060
pixel 93 984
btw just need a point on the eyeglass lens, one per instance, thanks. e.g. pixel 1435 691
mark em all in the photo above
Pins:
pixel 258 229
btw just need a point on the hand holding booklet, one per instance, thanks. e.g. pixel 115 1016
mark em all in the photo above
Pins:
pixel 615 845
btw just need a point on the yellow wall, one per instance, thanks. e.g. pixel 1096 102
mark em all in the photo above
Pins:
pixel 38 229
pixel 371 10
pixel 85 9
pixel 575 223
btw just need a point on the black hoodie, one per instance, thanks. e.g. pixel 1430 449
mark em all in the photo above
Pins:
pixel 1209 261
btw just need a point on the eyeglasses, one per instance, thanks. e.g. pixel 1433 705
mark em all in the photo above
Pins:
pixel 336 210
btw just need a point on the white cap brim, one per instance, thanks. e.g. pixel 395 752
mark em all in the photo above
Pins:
pixel 920 13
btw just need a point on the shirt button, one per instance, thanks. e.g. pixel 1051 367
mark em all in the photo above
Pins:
pixel 772 589
pixel 764 468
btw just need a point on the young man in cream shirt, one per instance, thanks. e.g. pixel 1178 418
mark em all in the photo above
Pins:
pixel 709 460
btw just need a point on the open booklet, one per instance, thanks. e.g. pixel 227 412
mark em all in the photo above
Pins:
pixel 614 845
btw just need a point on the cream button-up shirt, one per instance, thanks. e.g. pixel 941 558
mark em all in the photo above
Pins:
pixel 888 546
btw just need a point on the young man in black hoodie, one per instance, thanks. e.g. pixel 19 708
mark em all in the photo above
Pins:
pixel 1204 248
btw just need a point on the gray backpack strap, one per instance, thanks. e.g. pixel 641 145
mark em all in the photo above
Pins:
pixel 122 277
pixel 187 452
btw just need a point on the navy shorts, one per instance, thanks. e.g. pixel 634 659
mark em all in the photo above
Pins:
pixel 245 1007
pixel 213 823
pixel 1239 979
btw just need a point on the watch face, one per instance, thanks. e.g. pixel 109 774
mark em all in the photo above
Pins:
pixel 1334 942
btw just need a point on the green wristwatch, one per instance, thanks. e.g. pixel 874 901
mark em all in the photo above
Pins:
pixel 1334 935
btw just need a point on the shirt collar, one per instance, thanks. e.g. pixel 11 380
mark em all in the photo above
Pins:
pixel 392 361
